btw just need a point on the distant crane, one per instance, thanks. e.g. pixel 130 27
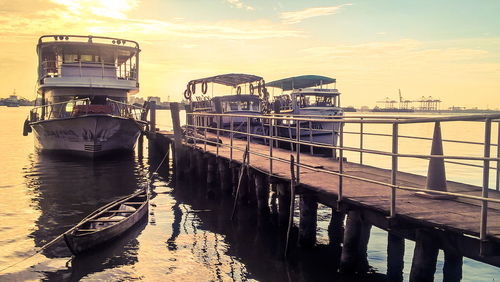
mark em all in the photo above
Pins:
pixel 429 103
pixel 388 103
pixel 403 104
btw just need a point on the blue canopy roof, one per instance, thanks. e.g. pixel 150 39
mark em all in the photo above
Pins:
pixel 302 81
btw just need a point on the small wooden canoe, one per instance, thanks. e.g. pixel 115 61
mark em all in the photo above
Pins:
pixel 108 222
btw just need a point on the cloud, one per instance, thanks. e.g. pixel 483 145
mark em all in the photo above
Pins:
pixel 240 5
pixel 114 16
pixel 298 16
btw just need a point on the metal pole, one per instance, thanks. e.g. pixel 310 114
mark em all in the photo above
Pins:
pixel 231 139
pixel 497 186
pixel 248 139
pixel 297 137
pixel 394 169
pixel 271 143
pixel 341 163
pixel 361 131
pixel 218 135
pixel 311 138
pixel 486 169
pixel 205 124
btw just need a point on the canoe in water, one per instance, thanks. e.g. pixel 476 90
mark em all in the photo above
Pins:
pixel 108 222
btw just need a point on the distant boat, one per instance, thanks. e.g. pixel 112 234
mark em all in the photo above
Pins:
pixel 12 101
pixel 392 110
pixel 108 222
pixel 84 83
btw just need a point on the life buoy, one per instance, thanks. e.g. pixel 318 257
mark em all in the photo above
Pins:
pixel 251 89
pixel 187 94
pixel 204 87
pixel 238 90
pixel 193 88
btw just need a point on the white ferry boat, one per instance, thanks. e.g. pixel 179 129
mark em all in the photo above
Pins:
pixel 309 96
pixel 248 98
pixel 83 85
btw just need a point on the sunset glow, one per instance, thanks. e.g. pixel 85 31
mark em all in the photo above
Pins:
pixel 449 50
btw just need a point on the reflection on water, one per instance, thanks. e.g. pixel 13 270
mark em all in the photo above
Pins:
pixel 185 237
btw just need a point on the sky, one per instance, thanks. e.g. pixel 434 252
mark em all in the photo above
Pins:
pixel 447 49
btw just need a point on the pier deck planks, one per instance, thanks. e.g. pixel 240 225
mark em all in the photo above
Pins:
pixel 458 215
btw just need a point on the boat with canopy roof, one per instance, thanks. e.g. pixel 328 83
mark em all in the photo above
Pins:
pixel 248 96
pixel 83 86
pixel 309 96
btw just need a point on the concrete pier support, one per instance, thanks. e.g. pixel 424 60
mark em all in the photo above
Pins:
pixel 354 252
pixel 336 236
pixel 425 255
pixel 224 176
pixel 211 175
pixel 395 257
pixel 308 218
pixel 252 196
pixel 262 194
pixel 452 269
pixel 284 198
pixel 243 193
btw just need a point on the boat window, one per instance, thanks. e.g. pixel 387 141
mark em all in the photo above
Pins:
pixel 317 101
pixel 70 58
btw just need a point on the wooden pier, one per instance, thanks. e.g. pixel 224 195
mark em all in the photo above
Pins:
pixel 463 220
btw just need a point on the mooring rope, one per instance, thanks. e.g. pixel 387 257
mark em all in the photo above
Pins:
pixel 292 202
pixel 45 246
pixel 243 166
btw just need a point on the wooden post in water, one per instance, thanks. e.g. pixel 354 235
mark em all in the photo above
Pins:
pixel 152 119
pixel 395 257
pixel 176 122
pixel 284 198
pixel 140 146
pixel 224 175
pixel 336 236
pixel 252 196
pixel 234 178
pixel 308 217
pixel 211 170
pixel 425 256
pixel 357 233
pixel 262 194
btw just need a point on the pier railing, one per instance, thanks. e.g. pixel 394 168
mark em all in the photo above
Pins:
pixel 286 130
pixel 80 107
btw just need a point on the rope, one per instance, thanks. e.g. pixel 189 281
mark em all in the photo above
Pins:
pixel 45 246
pixel 243 166
pixel 292 202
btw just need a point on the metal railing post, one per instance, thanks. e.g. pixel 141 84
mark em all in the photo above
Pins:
pixel 205 125
pixel 248 139
pixel 341 163
pixel 218 135
pixel 497 186
pixel 271 143
pixel 486 169
pixel 231 139
pixel 311 138
pixel 394 168
pixel 297 137
pixel 361 131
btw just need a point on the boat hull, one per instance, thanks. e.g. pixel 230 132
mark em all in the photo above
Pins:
pixel 79 243
pixel 90 135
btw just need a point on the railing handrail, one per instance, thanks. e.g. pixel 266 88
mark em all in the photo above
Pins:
pixel 59 103
pixel 345 119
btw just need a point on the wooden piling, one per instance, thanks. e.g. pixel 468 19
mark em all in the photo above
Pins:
pixel 174 111
pixel 243 193
pixel 354 252
pixel 425 255
pixel 395 257
pixel 262 193
pixel 284 198
pixel 308 217
pixel 251 195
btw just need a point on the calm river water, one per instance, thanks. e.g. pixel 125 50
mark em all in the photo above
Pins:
pixel 186 236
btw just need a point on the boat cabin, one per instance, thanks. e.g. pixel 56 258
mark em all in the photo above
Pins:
pixel 305 95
